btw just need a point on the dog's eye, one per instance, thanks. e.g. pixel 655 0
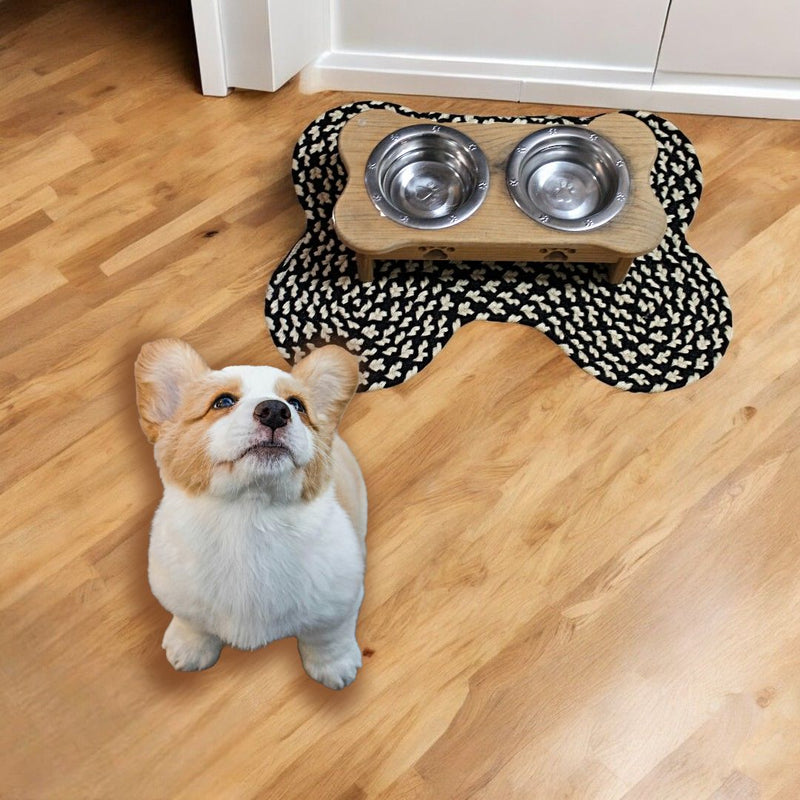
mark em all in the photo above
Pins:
pixel 297 403
pixel 224 401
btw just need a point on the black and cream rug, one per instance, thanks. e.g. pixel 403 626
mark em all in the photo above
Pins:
pixel 666 325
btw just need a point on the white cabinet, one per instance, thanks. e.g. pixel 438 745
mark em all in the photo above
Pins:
pixel 725 38
pixel 542 32
pixel 741 57
pixel 256 44
pixel 703 56
pixel 536 50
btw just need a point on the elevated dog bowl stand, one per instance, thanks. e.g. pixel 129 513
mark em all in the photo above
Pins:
pixel 499 230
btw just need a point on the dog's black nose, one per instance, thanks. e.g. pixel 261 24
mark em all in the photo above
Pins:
pixel 272 413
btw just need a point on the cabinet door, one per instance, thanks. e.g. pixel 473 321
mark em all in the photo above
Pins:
pixel 614 34
pixel 256 44
pixel 733 39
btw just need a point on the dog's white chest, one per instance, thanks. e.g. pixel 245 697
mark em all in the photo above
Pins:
pixel 253 574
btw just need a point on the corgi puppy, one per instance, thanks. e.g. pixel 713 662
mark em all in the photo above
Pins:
pixel 260 533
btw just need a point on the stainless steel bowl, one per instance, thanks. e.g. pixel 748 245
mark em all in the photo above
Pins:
pixel 427 176
pixel 568 178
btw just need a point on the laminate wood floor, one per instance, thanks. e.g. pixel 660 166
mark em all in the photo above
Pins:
pixel 572 591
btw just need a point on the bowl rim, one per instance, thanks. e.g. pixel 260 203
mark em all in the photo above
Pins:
pixel 557 134
pixel 404 134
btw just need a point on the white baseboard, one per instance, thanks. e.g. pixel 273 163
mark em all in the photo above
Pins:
pixel 530 82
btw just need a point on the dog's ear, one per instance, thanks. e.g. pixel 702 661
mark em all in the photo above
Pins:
pixel 330 375
pixel 163 369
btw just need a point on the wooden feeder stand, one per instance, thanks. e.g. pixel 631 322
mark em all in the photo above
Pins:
pixel 499 230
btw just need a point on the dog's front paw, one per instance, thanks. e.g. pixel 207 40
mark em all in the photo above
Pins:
pixel 188 649
pixel 330 666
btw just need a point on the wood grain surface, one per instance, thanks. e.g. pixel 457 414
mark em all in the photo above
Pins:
pixel 572 591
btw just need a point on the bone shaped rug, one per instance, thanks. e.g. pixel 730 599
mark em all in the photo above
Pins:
pixel 666 325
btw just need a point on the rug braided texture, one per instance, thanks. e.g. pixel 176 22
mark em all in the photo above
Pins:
pixel 665 326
